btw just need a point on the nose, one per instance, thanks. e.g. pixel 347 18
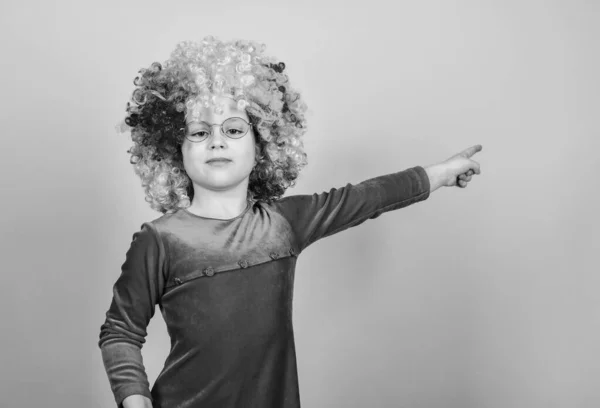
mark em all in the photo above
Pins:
pixel 217 138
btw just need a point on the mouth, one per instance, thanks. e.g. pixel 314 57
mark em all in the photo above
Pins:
pixel 218 161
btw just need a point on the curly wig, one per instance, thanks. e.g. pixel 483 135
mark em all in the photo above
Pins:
pixel 166 94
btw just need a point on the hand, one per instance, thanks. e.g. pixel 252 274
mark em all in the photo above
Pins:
pixel 458 169
pixel 137 401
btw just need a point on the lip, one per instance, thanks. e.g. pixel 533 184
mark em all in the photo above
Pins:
pixel 218 160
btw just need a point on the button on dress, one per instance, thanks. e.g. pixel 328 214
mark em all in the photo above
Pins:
pixel 225 291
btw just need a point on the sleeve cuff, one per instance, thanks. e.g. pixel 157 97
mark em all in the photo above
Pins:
pixel 424 182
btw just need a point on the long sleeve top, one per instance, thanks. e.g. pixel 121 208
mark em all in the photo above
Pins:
pixel 225 289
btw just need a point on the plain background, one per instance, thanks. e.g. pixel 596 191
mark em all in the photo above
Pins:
pixel 478 297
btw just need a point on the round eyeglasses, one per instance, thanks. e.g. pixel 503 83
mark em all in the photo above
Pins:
pixel 234 128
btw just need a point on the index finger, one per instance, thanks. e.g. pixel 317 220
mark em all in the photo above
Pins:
pixel 471 151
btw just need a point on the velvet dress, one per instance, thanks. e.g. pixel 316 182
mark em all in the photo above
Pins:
pixel 225 290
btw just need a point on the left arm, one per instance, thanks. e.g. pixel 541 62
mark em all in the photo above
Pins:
pixel 317 216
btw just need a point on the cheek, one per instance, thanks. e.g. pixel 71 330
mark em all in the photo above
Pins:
pixel 191 157
pixel 252 154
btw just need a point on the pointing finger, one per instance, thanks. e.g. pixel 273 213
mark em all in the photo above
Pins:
pixel 471 151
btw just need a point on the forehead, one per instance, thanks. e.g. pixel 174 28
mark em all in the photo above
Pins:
pixel 208 114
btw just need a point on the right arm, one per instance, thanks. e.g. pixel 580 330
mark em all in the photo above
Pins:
pixel 135 294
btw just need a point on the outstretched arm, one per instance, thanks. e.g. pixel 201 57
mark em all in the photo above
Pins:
pixel 316 216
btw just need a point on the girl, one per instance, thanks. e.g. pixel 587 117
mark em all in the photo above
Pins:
pixel 217 132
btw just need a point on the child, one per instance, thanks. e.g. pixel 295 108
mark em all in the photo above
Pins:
pixel 217 141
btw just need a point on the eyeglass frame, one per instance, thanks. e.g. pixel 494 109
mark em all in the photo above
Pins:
pixel 211 125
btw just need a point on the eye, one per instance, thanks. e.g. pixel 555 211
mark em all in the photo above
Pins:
pixel 234 131
pixel 201 133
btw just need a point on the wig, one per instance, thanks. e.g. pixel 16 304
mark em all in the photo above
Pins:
pixel 194 75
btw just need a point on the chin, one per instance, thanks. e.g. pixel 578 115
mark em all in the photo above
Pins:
pixel 224 180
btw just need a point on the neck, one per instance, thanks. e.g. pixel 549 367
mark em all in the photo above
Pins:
pixel 218 204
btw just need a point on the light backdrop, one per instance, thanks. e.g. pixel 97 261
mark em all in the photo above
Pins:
pixel 478 297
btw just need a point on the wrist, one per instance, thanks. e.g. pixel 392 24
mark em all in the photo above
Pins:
pixel 436 176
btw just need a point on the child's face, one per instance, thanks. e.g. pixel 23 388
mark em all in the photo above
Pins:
pixel 241 152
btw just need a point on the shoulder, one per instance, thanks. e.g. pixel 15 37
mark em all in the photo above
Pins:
pixel 277 210
pixel 165 222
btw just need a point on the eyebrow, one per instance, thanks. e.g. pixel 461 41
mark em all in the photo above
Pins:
pixel 198 121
